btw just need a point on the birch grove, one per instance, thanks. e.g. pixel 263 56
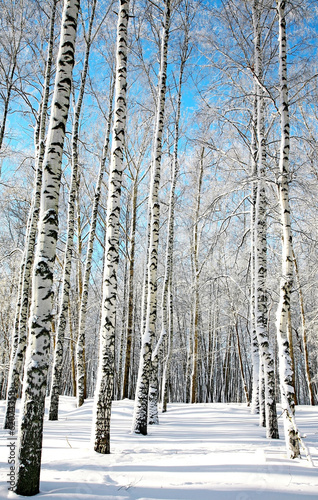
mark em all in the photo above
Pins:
pixel 169 218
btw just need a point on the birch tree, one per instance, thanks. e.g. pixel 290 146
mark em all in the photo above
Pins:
pixel 260 260
pixel 134 167
pixel 80 345
pixel 37 358
pixel 285 373
pixel 104 388
pixel 139 425
pixel 166 335
pixel 254 342
pixel 67 266
pixel 304 333
pixel 196 276
pixel 22 309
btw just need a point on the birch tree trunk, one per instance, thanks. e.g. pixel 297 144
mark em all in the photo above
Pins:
pixel 139 425
pixel 292 437
pixel 80 345
pixel 37 360
pixel 104 388
pixel 304 333
pixel 261 308
pixel 131 268
pixel 67 266
pixel 167 365
pixel 241 362
pixel 166 305
pixel 195 258
pixel 22 309
pixel 254 342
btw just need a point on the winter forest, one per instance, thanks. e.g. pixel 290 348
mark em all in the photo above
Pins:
pixel 158 190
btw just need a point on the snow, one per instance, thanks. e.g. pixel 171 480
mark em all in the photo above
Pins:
pixel 203 451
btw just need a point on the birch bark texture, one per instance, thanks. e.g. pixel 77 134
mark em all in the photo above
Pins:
pixel 67 265
pixel 80 345
pixel 140 417
pixel 292 437
pixel 104 388
pixel 254 342
pixel 22 308
pixel 37 358
pixel 130 293
pixel 166 301
pixel 195 281
pixel 304 334
pixel 260 260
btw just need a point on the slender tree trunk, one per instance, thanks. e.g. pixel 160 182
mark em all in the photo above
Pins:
pixel 261 308
pixel 262 401
pixel 140 417
pixel 254 342
pixel 241 364
pixel 22 309
pixel 304 334
pixel 80 346
pixel 131 269
pixel 167 365
pixel 287 396
pixel 167 327
pixel 291 352
pixel 72 351
pixel 80 358
pixel 104 388
pixel 67 267
pixel 195 252
pixel 35 378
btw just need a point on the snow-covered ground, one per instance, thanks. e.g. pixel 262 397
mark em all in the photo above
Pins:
pixel 198 452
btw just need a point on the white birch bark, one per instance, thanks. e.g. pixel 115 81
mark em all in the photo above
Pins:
pixel 104 388
pixel 80 345
pixel 304 334
pixel 166 307
pixel 67 265
pixel 262 406
pixel 37 358
pixel 130 308
pixel 292 437
pixel 22 309
pixel 254 342
pixel 196 298
pixel 167 365
pixel 261 308
pixel 139 425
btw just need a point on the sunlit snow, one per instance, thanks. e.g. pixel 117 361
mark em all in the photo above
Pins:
pixel 198 452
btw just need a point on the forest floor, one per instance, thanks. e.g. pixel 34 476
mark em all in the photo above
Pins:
pixel 198 452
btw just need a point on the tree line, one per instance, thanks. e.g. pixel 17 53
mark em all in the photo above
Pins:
pixel 158 180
